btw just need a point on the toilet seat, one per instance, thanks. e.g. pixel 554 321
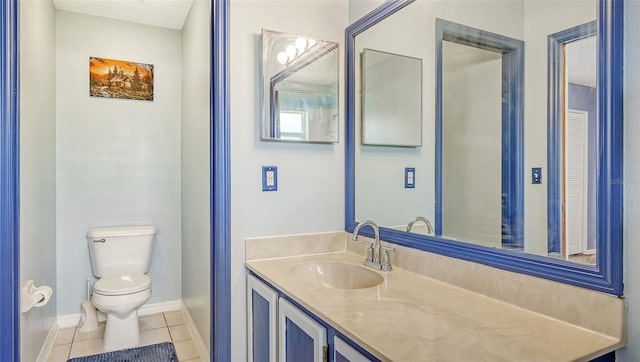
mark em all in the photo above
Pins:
pixel 122 284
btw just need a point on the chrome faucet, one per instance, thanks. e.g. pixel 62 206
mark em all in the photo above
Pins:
pixel 424 220
pixel 373 259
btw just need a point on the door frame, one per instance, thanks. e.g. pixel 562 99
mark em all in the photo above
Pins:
pixel 220 317
pixel 512 51
pixel 555 124
pixel 10 193
pixel 9 184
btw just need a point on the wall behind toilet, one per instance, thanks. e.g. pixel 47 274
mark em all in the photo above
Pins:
pixel 118 161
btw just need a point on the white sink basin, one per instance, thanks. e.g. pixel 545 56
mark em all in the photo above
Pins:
pixel 338 275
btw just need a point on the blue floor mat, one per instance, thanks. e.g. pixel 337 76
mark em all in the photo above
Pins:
pixel 161 352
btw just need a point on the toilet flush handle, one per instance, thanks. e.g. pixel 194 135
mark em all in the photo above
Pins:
pixel 103 240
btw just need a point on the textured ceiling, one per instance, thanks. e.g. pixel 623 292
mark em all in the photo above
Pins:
pixel 163 13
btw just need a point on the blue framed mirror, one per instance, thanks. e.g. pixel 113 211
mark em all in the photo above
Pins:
pixel 530 240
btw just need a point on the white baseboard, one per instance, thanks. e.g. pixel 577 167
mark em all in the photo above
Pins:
pixel 201 347
pixel 48 343
pixel 156 308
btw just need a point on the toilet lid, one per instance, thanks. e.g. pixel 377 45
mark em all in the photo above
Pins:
pixel 122 284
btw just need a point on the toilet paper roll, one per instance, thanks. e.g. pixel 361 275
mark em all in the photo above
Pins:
pixel 42 295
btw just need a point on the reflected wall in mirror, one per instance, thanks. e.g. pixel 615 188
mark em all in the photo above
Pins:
pixel 299 88
pixel 476 185
pixel 391 99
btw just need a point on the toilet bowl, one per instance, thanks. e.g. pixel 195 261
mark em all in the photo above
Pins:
pixel 120 258
pixel 120 296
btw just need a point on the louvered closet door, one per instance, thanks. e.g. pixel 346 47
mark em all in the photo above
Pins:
pixel 576 180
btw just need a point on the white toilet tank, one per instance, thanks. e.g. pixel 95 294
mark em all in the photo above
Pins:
pixel 121 250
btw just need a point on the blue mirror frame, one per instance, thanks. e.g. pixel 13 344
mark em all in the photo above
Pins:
pixel 606 275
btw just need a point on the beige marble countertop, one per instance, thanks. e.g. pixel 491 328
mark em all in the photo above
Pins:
pixel 410 317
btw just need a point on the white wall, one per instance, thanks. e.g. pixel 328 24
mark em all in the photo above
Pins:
pixel 631 227
pixel 118 161
pixel 360 8
pixel 310 196
pixel 37 166
pixel 196 224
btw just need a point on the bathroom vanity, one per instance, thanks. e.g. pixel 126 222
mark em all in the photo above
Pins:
pixel 297 306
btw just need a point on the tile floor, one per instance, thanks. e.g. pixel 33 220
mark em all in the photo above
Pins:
pixel 156 328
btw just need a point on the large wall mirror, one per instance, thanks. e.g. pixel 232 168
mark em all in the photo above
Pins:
pixel 521 160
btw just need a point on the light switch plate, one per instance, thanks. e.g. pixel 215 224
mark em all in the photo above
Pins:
pixel 269 178
pixel 536 175
pixel 409 177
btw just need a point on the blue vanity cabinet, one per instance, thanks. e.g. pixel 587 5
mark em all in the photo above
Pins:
pixel 279 329
pixel 300 337
pixel 262 321
pixel 344 352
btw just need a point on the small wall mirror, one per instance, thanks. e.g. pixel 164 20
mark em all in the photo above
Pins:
pixel 299 88
pixel 391 99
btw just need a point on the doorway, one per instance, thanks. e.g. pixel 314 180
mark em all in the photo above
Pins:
pixel 9 184
pixel 572 141
pixel 506 56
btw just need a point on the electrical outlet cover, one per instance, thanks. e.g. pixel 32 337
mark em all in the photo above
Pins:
pixel 269 178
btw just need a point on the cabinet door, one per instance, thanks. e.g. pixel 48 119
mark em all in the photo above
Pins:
pixel 262 314
pixel 301 339
pixel 343 352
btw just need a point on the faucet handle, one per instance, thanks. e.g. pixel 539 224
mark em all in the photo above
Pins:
pixel 386 259
pixel 369 251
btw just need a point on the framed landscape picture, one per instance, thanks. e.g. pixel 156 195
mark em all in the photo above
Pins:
pixel 111 78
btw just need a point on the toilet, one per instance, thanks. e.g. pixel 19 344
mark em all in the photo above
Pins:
pixel 120 258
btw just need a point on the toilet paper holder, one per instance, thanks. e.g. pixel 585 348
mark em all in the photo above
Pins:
pixel 32 296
